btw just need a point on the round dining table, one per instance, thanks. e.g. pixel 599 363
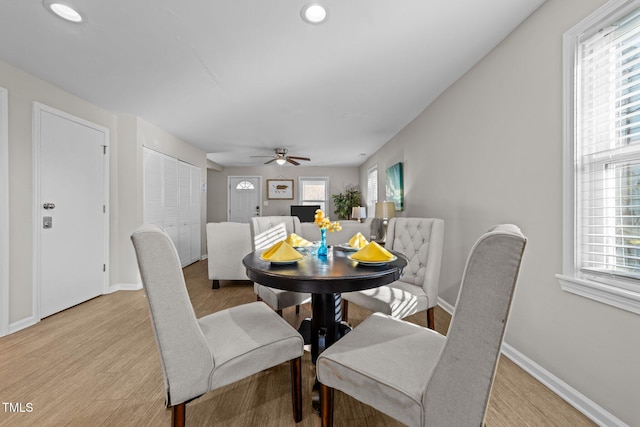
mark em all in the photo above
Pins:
pixel 325 278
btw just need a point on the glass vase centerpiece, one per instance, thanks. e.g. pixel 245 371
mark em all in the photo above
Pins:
pixel 324 224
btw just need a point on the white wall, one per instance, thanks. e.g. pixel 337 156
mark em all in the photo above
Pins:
pixel 489 150
pixel 127 135
pixel 339 178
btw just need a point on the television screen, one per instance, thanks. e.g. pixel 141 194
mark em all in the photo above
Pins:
pixel 305 213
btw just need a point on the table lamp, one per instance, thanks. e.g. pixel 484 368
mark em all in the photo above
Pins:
pixel 385 210
pixel 358 213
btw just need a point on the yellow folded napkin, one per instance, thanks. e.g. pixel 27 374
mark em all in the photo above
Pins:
pixel 281 251
pixel 373 252
pixel 296 241
pixel 358 241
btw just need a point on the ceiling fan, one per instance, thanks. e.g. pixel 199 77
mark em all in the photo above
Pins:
pixel 281 158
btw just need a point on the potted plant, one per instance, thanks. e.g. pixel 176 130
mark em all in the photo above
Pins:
pixel 343 202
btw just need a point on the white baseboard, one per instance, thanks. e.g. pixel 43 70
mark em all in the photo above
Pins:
pixel 31 320
pixel 124 287
pixel 567 393
pixel 445 306
pixel 21 324
pixel 203 257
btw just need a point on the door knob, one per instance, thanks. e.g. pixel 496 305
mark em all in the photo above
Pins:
pixel 49 206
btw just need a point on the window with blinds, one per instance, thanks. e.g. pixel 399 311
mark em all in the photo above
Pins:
pixel 372 190
pixel 607 149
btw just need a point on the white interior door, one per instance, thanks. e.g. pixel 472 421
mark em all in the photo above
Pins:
pixel 71 206
pixel 244 198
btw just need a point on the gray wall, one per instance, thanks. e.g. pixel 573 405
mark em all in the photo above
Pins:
pixel 339 178
pixel 489 150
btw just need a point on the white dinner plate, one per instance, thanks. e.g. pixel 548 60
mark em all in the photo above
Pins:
pixel 347 247
pixel 373 263
pixel 284 262
pixel 297 248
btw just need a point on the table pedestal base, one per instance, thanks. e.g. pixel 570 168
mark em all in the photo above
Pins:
pixel 322 330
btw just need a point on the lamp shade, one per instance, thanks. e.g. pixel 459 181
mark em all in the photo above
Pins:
pixel 385 210
pixel 358 212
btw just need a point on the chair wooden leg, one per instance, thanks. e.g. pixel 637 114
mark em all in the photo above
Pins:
pixel 345 310
pixel 298 309
pixel 178 415
pixel 326 406
pixel 215 284
pixel 296 388
pixel 431 318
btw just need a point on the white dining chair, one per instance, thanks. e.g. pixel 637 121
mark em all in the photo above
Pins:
pixel 421 240
pixel 418 376
pixel 200 355
pixel 266 231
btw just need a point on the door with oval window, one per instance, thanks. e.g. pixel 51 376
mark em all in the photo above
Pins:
pixel 244 198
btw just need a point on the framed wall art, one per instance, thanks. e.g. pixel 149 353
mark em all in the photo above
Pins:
pixel 280 189
pixel 395 186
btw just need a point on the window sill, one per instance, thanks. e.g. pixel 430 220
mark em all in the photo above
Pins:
pixel 601 292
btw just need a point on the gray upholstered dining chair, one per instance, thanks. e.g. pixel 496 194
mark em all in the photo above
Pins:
pixel 265 231
pixel 421 240
pixel 200 355
pixel 418 376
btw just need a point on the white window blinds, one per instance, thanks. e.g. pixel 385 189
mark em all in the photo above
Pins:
pixel 372 190
pixel 608 150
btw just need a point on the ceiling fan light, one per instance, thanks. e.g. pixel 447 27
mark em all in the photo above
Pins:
pixel 63 11
pixel 314 13
pixel 281 161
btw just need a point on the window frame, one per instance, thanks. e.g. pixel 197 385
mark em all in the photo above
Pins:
pixel 612 290
pixel 322 202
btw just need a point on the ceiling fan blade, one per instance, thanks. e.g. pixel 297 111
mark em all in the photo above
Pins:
pixel 293 162
pixel 260 156
pixel 299 158
pixel 270 161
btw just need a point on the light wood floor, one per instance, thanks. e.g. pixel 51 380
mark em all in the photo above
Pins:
pixel 96 364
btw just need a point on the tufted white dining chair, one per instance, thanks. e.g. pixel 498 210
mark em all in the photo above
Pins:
pixel 200 355
pixel 265 231
pixel 418 376
pixel 421 240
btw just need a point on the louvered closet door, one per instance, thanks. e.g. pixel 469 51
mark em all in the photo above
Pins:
pixel 195 212
pixel 172 201
pixel 184 248
pixel 161 192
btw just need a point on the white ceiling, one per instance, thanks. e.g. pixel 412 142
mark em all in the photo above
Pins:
pixel 240 78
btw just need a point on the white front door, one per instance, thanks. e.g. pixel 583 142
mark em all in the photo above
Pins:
pixel 71 207
pixel 244 198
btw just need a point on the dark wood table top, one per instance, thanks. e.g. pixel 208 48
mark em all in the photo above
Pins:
pixel 333 274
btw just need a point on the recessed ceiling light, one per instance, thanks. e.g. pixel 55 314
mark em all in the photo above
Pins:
pixel 314 13
pixel 63 11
